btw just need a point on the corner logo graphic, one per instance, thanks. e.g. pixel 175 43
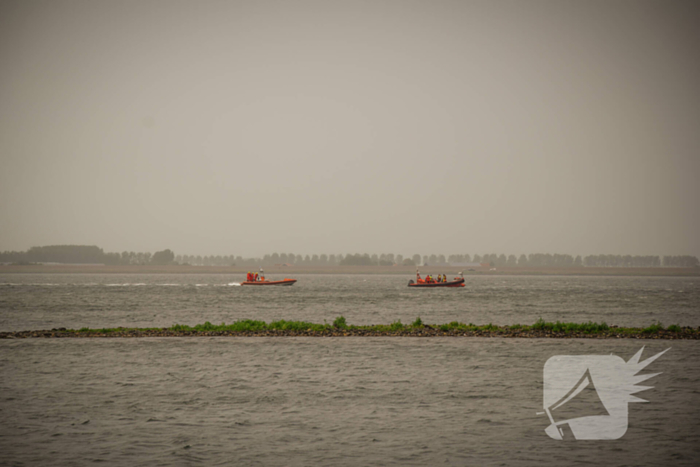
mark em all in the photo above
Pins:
pixel 586 396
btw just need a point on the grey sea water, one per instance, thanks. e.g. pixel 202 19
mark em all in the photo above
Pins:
pixel 39 301
pixel 328 401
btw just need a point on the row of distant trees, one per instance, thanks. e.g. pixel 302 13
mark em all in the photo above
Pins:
pixel 83 254
pixel 681 261
pixel 129 257
pixel 531 260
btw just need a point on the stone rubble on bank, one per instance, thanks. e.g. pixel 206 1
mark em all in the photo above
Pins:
pixel 427 331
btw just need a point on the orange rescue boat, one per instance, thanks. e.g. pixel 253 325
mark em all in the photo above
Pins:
pixel 266 282
pixel 456 282
pixel 260 280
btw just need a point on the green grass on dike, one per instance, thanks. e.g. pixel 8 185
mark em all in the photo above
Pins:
pixel 340 324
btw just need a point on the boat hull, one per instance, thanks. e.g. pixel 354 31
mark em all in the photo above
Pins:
pixel 282 282
pixel 455 283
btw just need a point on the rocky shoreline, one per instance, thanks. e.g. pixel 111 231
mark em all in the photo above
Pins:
pixel 686 333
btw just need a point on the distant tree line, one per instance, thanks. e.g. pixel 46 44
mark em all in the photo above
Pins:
pixel 70 254
pixel 683 261
pixel 620 261
pixel 84 254
pixel 493 260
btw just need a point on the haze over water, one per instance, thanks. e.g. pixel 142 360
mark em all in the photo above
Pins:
pixel 249 127
pixel 254 126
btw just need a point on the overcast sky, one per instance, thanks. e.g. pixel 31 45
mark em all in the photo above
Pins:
pixel 253 127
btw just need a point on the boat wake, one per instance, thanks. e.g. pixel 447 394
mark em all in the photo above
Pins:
pixel 234 284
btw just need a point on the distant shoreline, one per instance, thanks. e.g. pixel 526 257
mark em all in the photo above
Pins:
pixel 287 271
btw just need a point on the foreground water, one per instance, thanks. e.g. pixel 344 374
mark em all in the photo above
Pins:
pixel 328 401
pixel 40 301
pixel 323 401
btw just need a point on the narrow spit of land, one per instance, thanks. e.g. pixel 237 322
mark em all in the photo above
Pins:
pixel 339 328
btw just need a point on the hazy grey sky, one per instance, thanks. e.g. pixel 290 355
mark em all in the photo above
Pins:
pixel 249 127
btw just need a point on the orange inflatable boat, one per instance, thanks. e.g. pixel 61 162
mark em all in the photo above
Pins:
pixel 266 282
pixel 458 282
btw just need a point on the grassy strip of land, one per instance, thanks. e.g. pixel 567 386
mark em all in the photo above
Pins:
pixel 339 327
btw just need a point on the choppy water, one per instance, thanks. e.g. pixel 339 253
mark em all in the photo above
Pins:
pixel 316 401
pixel 327 401
pixel 74 300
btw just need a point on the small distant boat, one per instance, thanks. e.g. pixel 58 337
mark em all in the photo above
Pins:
pixel 456 282
pixel 263 281
pixel 266 282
